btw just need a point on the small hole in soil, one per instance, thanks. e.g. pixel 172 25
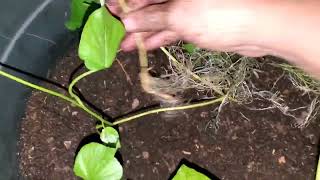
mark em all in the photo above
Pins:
pixel 119 157
pixel 195 167
pixel 89 139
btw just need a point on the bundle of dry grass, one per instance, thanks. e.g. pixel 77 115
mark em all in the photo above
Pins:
pixel 220 73
pixel 217 73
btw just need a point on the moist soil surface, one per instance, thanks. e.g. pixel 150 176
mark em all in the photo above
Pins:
pixel 244 144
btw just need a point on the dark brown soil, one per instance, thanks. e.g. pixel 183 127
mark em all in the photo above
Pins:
pixel 247 144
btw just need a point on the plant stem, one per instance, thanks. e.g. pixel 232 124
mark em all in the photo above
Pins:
pixel 53 93
pixel 197 105
pixel 26 83
pixel 143 58
pixel 318 170
pixel 102 3
pixel 79 101
pixel 98 117
pixel 72 84
pixel 142 52
pixel 195 76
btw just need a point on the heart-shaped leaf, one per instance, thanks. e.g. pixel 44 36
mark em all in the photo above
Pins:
pixel 97 162
pixel 186 173
pixel 100 39
pixel 110 136
pixel 79 10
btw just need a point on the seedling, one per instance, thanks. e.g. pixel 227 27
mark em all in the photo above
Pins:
pixel 99 44
pixel 101 36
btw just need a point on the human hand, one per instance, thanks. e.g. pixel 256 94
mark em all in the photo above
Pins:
pixel 227 25
pixel 288 29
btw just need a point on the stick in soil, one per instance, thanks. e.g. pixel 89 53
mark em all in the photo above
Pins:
pixel 125 72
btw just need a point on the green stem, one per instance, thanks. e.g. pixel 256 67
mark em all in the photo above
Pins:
pixel 206 103
pixel 103 121
pixel 99 126
pixel 79 101
pixel 73 83
pixel 21 81
pixel 53 93
pixel 318 170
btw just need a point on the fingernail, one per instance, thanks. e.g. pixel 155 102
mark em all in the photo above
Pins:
pixel 129 24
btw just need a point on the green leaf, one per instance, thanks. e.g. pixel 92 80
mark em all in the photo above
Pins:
pixel 110 136
pixel 190 48
pixel 186 173
pixel 318 170
pixel 97 162
pixel 100 39
pixel 79 10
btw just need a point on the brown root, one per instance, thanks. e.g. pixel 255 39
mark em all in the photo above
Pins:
pixel 152 85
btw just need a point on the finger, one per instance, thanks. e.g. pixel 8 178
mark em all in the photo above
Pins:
pixel 138 4
pixel 133 5
pixel 252 53
pixel 129 43
pixel 115 10
pixel 160 39
pixel 151 18
pixel 112 2
pixel 250 50
pixel 114 7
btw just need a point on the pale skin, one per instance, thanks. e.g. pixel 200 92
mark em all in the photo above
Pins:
pixel 286 28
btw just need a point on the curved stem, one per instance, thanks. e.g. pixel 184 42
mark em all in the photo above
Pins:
pixel 72 84
pixel 201 104
pixel 79 101
pixel 53 93
pixel 103 121
pixel 26 83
